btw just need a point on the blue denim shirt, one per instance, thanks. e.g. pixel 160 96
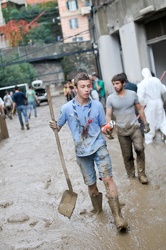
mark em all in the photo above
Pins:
pixel 88 145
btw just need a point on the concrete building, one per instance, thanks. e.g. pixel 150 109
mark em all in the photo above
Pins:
pixel 74 19
pixel 130 35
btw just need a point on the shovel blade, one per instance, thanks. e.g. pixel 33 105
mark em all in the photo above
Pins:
pixel 67 203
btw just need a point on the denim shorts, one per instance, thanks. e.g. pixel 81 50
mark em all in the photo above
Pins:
pixel 103 163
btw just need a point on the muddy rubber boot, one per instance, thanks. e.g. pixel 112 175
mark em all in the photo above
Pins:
pixel 27 125
pixel 120 223
pixel 141 167
pixel 141 174
pixel 22 126
pixel 143 179
pixel 97 203
pixel 130 169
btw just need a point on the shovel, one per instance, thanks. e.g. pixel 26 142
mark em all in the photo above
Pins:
pixel 69 197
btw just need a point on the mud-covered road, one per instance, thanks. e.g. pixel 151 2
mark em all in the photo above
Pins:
pixel 32 183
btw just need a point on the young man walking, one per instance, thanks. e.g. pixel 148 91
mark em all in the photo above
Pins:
pixel 19 101
pixel 123 103
pixel 31 101
pixel 85 118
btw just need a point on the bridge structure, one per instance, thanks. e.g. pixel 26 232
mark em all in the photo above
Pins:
pixel 46 58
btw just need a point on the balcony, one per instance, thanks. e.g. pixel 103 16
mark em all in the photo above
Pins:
pixel 85 10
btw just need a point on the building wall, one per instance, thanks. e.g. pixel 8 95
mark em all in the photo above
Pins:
pixel 125 21
pixel 66 15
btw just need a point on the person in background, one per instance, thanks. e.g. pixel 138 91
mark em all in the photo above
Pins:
pixel 150 91
pixel 122 104
pixel 19 100
pixel 85 118
pixel 129 85
pixel 93 93
pixel 8 103
pixel 132 86
pixel 69 91
pixel 31 96
pixel 2 108
pixel 99 86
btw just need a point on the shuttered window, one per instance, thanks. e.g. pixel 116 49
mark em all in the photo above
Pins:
pixel 73 23
pixel 72 5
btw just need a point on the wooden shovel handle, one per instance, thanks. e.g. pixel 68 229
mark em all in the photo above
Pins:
pixel 57 140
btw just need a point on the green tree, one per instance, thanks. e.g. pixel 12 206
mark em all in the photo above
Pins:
pixel 49 20
pixel 17 74
pixel 40 34
pixel 69 66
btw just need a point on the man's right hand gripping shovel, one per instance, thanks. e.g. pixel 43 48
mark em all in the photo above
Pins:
pixel 53 124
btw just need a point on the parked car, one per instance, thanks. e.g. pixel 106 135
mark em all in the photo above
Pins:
pixel 40 91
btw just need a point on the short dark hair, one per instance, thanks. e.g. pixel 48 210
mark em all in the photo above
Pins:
pixel 119 77
pixel 124 75
pixel 16 87
pixel 81 76
pixel 95 74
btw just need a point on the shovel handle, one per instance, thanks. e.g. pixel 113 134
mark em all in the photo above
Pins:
pixel 58 140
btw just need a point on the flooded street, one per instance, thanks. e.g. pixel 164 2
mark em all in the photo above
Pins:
pixel 32 183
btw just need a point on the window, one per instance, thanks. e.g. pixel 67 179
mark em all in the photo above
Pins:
pixel 73 23
pixel 78 39
pixel 87 3
pixel 72 5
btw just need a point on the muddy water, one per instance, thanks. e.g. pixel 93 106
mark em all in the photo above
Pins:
pixel 32 183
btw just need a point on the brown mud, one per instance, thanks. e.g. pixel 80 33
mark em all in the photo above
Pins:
pixel 32 183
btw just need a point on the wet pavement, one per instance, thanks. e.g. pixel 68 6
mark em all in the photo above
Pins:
pixel 32 183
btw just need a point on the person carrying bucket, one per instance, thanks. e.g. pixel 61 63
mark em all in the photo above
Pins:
pixel 85 118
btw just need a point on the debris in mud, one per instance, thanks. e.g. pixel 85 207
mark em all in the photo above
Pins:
pixel 5 204
pixel 33 223
pixel 83 212
pixel 156 187
pixel 17 218
pixel 48 222
pixel 48 183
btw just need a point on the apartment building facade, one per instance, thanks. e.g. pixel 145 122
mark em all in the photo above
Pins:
pixel 74 20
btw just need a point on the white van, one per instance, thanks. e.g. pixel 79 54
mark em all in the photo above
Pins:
pixel 23 87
